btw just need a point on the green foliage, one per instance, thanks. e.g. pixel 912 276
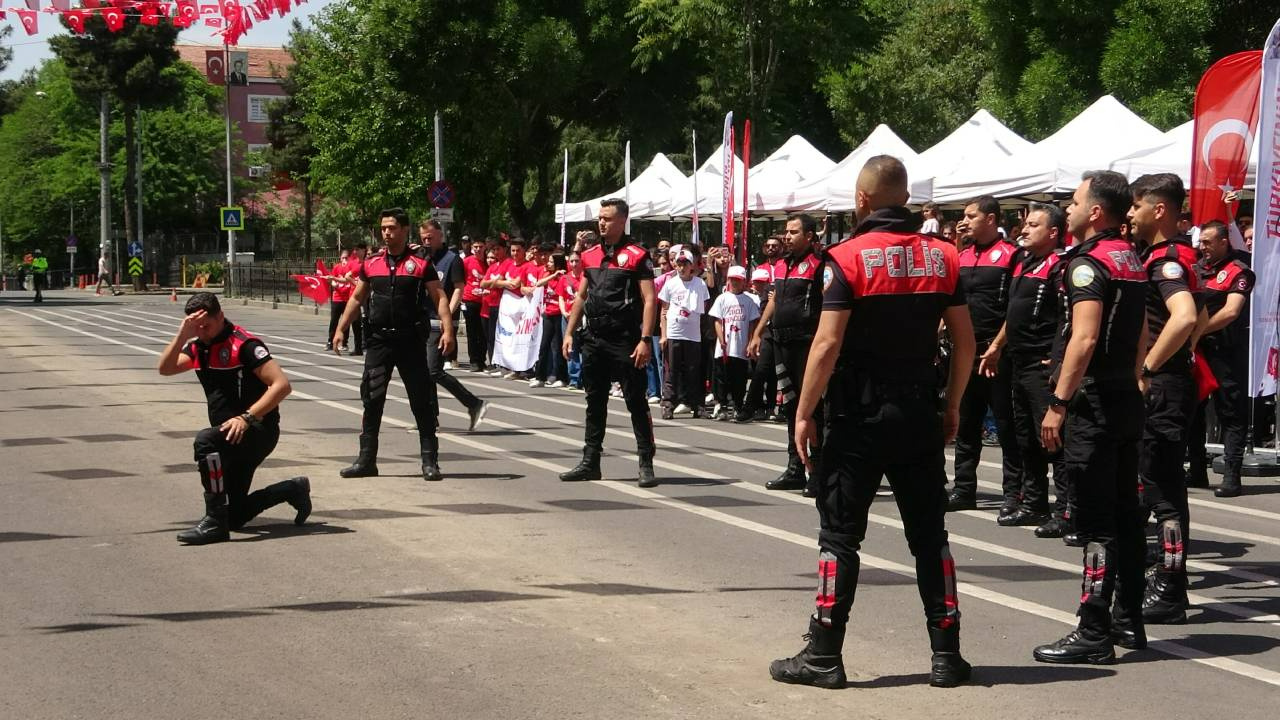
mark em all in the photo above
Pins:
pixel 214 268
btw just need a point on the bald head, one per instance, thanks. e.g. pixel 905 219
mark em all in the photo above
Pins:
pixel 881 184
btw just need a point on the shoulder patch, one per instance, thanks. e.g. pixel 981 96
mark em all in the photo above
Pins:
pixel 827 277
pixel 261 352
pixel 1082 276
pixel 1222 277
pixel 804 267
pixel 995 255
pixel 622 259
pixel 410 266
pixel 1242 283
pixel 1171 270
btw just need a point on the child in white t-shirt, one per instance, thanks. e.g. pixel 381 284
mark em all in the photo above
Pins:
pixel 684 298
pixel 736 314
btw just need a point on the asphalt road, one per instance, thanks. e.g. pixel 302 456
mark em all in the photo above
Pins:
pixel 501 592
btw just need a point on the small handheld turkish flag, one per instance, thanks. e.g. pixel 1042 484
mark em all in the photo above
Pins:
pixel 29 21
pixel 215 67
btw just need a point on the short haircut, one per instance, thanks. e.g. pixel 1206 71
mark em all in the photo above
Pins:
pixel 1244 222
pixel 517 240
pixel 931 207
pixel 1110 191
pixel 398 214
pixel 807 224
pixel 1218 225
pixel 1166 187
pixel 362 245
pixel 1054 215
pixel 547 247
pixel 987 205
pixel 205 301
pixel 890 174
pixel 431 223
pixel 617 204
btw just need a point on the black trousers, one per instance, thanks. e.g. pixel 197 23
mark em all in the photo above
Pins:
pixel 405 351
pixel 1104 427
pixel 476 333
pixel 357 325
pixel 1031 393
pixel 684 367
pixel 491 333
pixel 440 378
pixel 762 389
pixel 731 381
pixel 1170 406
pixel 901 440
pixel 791 357
pixel 983 393
pixel 227 469
pixel 605 360
pixel 1230 404
pixel 551 362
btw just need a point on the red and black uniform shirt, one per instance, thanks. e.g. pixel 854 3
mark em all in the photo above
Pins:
pixel 897 283
pixel 1170 267
pixel 398 289
pixel 1231 275
pixel 798 294
pixel 614 306
pixel 473 269
pixel 1105 268
pixel 225 368
pixel 1032 319
pixel 985 273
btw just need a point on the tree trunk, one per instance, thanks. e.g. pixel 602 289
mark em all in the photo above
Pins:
pixel 130 180
pixel 306 220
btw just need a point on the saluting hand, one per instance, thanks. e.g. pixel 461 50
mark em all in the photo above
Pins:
pixel 192 324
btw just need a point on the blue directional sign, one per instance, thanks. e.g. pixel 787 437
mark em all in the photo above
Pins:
pixel 135 249
pixel 233 218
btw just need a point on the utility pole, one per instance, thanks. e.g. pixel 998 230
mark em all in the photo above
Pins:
pixel 231 234
pixel 104 183
pixel 140 282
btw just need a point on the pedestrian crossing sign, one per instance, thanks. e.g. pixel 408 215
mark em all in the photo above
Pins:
pixel 233 218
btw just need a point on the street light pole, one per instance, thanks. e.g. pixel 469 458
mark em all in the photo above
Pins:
pixel 104 183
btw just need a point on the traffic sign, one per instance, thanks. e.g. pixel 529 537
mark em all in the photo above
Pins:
pixel 444 215
pixel 71 249
pixel 135 266
pixel 135 249
pixel 233 218
pixel 441 194
pixel 71 241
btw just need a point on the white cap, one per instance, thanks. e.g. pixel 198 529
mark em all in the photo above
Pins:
pixel 738 272
pixel 761 275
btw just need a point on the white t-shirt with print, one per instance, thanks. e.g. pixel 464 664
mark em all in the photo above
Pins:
pixel 686 301
pixel 737 312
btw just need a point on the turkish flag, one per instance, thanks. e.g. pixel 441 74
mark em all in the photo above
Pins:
pixel 282 7
pixel 150 13
pixel 89 3
pixel 62 5
pixel 215 67
pixel 188 13
pixel 114 17
pixel 1226 119
pixel 75 20
pixel 229 9
pixel 310 286
pixel 1206 381
pixel 30 22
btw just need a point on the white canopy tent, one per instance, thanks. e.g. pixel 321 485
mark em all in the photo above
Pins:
pixel 838 187
pixel 980 140
pixel 650 194
pixel 710 190
pixel 774 182
pixel 1093 139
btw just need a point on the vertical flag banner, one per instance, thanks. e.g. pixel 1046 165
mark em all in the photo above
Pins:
pixel 1265 306
pixel 726 177
pixel 238 69
pixel 564 198
pixel 693 236
pixel 215 67
pixel 1226 118
pixel 626 176
pixel 746 176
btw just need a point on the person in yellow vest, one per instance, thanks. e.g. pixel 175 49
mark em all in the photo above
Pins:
pixel 39 269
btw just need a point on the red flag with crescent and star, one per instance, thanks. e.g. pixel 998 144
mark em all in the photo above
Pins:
pixel 1226 119
pixel 215 67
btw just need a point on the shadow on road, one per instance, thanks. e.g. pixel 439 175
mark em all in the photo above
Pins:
pixel 992 675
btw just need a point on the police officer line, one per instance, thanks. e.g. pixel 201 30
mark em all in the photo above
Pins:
pixel 1202 601
pixel 975 591
pixel 165 321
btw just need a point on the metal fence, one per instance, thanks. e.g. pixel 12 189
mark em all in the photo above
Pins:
pixel 271 282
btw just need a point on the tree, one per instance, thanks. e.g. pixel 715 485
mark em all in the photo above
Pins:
pixel 127 65
pixel 291 152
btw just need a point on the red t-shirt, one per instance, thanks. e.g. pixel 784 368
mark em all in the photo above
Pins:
pixel 493 296
pixel 473 270
pixel 342 291
pixel 511 271
pixel 567 288
pixel 551 297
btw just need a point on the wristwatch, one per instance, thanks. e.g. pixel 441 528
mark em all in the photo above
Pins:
pixel 1147 372
pixel 1055 401
pixel 249 418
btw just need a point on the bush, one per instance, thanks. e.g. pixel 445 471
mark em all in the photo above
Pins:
pixel 214 268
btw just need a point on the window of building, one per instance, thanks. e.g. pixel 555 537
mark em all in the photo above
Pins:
pixel 258 105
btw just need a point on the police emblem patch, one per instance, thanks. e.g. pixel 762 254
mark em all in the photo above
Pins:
pixel 410 266
pixel 995 255
pixel 224 355
pixel 1242 283
pixel 261 353
pixel 1222 277
pixel 1082 276
pixel 827 277
pixel 1171 270
pixel 622 258
pixel 804 267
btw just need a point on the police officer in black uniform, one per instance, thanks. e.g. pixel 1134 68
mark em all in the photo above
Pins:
pixel 449 269
pixel 1026 341
pixel 886 289
pixel 1097 410
pixel 397 284
pixel 792 319
pixel 1228 281
pixel 617 301
pixel 1173 300
pixel 244 386
pixel 986 266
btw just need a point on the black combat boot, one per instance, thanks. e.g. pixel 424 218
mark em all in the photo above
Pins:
pixel 213 527
pixel 949 669
pixel 366 464
pixel 819 664
pixel 1090 643
pixel 1197 476
pixel 646 476
pixel 1165 601
pixel 793 478
pixel 1055 528
pixel 588 468
pixel 431 466
pixel 301 499
pixel 961 501
pixel 1023 517
pixel 1008 508
pixel 1127 631
pixel 1229 488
